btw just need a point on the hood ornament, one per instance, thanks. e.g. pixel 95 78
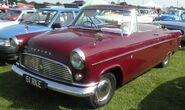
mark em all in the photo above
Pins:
pixel 99 37
pixel 26 28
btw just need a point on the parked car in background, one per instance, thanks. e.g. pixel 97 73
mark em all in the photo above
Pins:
pixel 65 5
pixel 24 6
pixel 43 20
pixel 14 16
pixel 79 2
pixel 173 25
pixel 172 14
pixel 146 14
pixel 94 55
pixel 3 10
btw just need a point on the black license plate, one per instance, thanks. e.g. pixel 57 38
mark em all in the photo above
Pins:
pixel 35 82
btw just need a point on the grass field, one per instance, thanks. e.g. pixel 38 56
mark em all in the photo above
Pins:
pixel 157 89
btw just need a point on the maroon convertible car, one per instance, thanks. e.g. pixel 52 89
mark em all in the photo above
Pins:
pixel 102 49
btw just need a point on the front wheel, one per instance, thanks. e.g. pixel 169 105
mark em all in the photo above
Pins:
pixel 104 91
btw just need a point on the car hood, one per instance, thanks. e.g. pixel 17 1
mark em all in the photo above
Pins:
pixel 7 23
pixel 11 31
pixel 59 44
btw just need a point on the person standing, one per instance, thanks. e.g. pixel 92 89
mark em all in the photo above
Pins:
pixel 4 5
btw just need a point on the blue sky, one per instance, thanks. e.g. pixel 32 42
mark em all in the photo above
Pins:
pixel 135 2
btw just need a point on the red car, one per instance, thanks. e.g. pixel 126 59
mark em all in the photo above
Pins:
pixel 4 9
pixel 24 6
pixel 102 49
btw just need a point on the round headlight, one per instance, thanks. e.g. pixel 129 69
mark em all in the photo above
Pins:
pixel 77 60
pixel 12 43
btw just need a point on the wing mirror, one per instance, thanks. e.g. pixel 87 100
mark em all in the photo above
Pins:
pixel 56 25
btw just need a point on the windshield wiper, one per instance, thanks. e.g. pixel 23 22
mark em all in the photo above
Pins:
pixel 83 27
pixel 92 28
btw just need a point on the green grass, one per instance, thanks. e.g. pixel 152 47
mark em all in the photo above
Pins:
pixel 157 89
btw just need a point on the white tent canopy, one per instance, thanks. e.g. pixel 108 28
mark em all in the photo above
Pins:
pixel 151 4
pixel 95 2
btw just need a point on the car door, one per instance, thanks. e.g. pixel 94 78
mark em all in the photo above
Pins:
pixel 145 52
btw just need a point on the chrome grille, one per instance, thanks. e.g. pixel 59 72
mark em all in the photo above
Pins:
pixel 47 68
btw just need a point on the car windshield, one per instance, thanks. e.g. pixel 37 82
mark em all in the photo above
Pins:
pixel 41 17
pixel 11 15
pixel 96 18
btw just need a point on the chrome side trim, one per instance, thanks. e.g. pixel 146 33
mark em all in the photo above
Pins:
pixel 126 53
pixel 59 87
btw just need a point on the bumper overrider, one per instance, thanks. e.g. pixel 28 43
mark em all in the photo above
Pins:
pixel 79 91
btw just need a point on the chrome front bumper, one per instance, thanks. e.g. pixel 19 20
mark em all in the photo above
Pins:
pixel 59 87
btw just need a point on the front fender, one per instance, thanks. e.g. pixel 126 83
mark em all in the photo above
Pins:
pixel 112 67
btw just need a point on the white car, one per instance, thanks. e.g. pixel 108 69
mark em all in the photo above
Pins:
pixel 14 16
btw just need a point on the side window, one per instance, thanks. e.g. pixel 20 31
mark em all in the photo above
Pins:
pixel 65 18
pixel 76 13
pixel 26 15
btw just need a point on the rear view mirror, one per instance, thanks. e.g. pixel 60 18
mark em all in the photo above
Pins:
pixel 56 25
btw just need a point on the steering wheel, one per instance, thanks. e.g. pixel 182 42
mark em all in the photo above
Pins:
pixel 88 23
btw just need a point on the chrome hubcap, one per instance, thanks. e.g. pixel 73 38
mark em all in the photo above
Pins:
pixel 103 89
pixel 166 60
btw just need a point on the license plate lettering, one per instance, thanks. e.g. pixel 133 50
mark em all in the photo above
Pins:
pixel 28 79
pixel 34 82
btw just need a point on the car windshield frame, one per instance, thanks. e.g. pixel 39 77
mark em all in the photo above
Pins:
pixel 102 24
